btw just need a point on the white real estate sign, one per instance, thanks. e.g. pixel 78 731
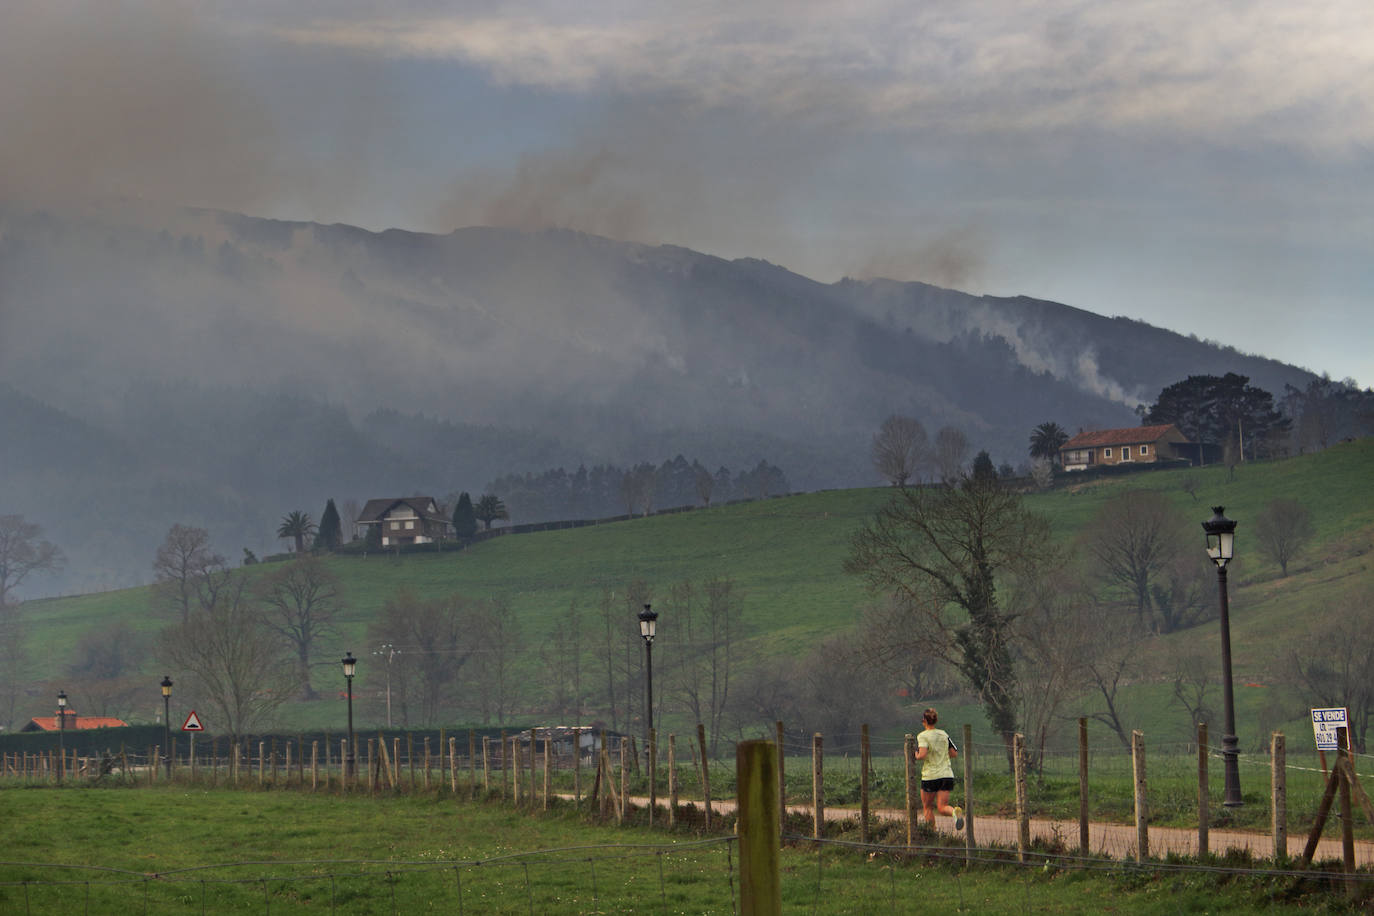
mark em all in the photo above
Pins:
pixel 1324 725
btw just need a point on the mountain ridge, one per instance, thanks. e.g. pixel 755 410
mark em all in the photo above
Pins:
pixel 226 366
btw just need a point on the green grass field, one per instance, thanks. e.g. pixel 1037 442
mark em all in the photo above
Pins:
pixel 177 849
pixel 785 557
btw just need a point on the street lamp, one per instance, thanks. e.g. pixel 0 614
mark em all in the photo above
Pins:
pixel 1221 544
pixel 167 722
pixel 61 733
pixel 648 625
pixel 349 665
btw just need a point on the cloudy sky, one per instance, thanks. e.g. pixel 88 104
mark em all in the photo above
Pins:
pixel 1204 166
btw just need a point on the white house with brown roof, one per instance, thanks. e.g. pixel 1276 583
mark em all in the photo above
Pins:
pixel 1125 446
pixel 405 520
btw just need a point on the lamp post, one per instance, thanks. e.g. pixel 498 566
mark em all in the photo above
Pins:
pixel 350 664
pixel 61 733
pixel 648 625
pixel 167 723
pixel 1221 543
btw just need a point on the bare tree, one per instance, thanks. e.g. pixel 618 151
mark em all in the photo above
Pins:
pixel 23 551
pixel 1133 539
pixel 919 673
pixel 1194 667
pixel 951 452
pixel 1334 666
pixel 103 671
pixel 1283 530
pixel 496 641
pixel 706 621
pixel 618 649
pixel 299 601
pixel 235 662
pixel 1049 658
pixel 15 663
pixel 705 485
pixel 560 661
pixel 831 700
pixel 900 448
pixel 637 489
pixel 187 571
pixel 939 553
pixel 432 637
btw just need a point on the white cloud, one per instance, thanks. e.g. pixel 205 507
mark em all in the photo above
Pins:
pixel 1272 70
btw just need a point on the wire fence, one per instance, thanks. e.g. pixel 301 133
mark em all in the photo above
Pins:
pixel 531 771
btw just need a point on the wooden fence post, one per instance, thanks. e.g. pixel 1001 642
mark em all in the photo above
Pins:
pixel 863 783
pixel 705 772
pixel 1347 818
pixel 967 749
pixel 453 765
pixel 1018 754
pixel 314 765
pixel 425 780
pixel 534 792
pixel 817 786
pixel 505 763
pixel 548 778
pixel 1278 796
pixel 782 778
pixel 577 765
pixel 1083 838
pixel 515 765
pixel 672 780
pixel 262 761
pixel 1142 801
pixel 909 756
pixel 760 857
pixel 1203 795
pixel 472 763
pixel 486 765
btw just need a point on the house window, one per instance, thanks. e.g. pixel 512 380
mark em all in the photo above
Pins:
pixel 1144 450
pixel 1106 453
pixel 395 526
pixel 410 525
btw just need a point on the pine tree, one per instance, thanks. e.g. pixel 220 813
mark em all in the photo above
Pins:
pixel 330 533
pixel 464 517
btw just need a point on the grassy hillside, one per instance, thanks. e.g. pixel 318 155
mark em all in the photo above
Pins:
pixel 785 557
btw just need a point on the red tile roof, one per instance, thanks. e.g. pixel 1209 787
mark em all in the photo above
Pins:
pixel 74 723
pixel 1130 436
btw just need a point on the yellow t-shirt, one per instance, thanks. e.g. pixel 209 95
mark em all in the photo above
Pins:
pixel 936 762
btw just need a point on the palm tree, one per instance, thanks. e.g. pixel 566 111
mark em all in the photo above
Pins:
pixel 488 509
pixel 296 525
pixel 1046 440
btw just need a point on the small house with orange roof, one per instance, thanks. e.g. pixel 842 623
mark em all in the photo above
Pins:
pixel 1125 446
pixel 72 723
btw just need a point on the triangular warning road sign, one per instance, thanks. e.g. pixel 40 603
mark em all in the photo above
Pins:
pixel 192 723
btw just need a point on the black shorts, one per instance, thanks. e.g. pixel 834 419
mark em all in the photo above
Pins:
pixel 938 785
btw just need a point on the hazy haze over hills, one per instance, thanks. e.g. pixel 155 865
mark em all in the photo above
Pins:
pixel 220 370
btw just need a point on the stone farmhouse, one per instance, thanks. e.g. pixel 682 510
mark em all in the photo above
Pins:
pixel 1125 446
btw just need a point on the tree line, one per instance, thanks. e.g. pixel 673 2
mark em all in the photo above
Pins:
pixel 608 490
